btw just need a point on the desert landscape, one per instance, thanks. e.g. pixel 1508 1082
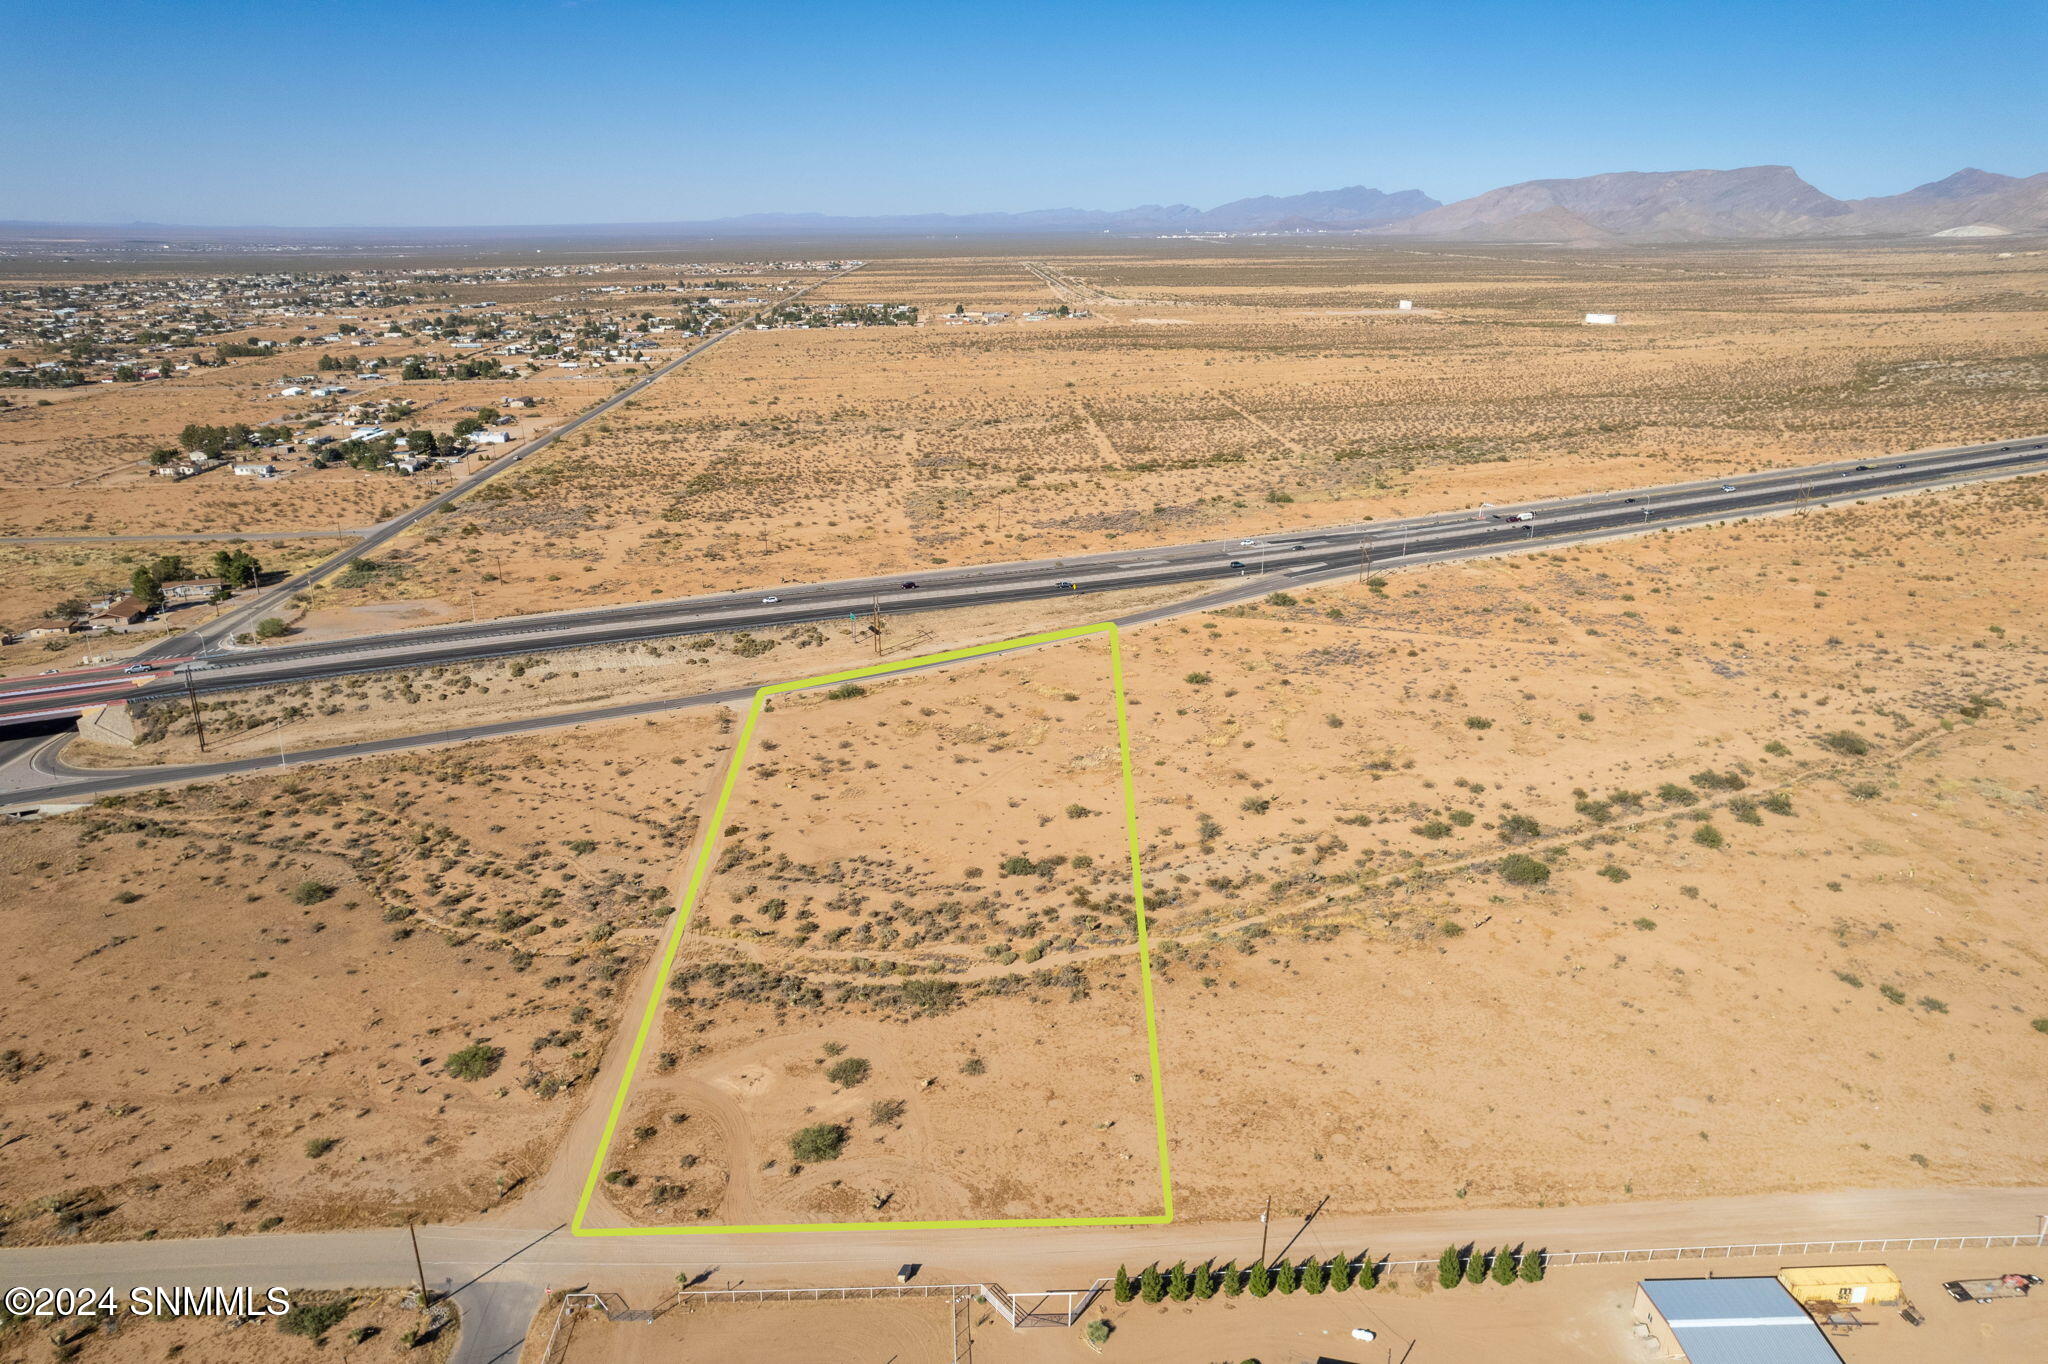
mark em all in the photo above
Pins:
pixel 447 936
pixel 1241 395
pixel 1687 864
pixel 1150 684
pixel 857 1025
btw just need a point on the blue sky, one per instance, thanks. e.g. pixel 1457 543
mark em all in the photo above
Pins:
pixel 288 112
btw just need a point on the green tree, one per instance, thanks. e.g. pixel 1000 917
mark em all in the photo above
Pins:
pixel 1368 1273
pixel 1123 1290
pixel 238 567
pixel 1179 1286
pixel 1150 1286
pixel 1340 1273
pixel 1284 1277
pixel 270 627
pixel 1503 1267
pixel 1313 1279
pixel 1261 1279
pixel 1233 1277
pixel 146 588
pixel 1205 1282
pixel 1449 1269
pixel 1532 1266
pixel 1475 1266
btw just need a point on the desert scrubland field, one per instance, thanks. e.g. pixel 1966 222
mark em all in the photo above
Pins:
pixel 233 1008
pixel 1222 394
pixel 1698 863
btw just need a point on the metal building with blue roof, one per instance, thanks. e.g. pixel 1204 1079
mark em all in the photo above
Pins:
pixel 1731 1321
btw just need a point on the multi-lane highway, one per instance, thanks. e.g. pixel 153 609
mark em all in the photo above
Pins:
pixel 30 771
pixel 1305 556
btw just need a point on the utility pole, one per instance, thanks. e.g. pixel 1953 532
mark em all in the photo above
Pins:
pixel 1364 557
pixel 1264 1218
pixel 877 627
pixel 426 1298
pixel 192 698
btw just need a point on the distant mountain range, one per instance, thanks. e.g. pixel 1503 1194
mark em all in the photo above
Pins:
pixel 1323 210
pixel 1750 203
pixel 1755 202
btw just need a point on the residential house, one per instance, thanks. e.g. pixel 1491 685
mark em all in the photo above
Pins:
pixel 123 610
pixel 255 471
pixel 193 589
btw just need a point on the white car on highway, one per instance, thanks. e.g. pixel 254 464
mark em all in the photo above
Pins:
pixel 770 601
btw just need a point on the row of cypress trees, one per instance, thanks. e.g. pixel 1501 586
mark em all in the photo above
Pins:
pixel 1473 1265
pixel 1337 1274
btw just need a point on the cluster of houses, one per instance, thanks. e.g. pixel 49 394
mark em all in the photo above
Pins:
pixel 811 316
pixel 119 610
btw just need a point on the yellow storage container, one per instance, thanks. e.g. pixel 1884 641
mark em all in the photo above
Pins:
pixel 1844 1286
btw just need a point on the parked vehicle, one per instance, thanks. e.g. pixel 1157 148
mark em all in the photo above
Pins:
pixel 1990 1290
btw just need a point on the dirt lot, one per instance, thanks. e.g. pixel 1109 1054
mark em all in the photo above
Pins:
pixel 1703 861
pixel 1575 1316
pixel 873 959
pixel 233 1007
pixel 362 1326
pixel 1263 392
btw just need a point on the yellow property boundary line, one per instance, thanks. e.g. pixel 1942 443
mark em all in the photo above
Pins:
pixel 708 844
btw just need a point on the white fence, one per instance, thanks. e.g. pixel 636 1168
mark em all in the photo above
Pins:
pixel 1065 1306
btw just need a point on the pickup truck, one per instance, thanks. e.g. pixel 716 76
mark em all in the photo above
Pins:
pixel 1990 1290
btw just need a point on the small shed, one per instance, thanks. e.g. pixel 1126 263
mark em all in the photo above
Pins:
pixel 1730 1321
pixel 1602 319
pixel 1406 304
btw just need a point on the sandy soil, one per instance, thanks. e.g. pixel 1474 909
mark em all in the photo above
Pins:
pixel 1784 938
pixel 1575 1316
pixel 857 936
pixel 312 950
pixel 373 1328
pixel 796 456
